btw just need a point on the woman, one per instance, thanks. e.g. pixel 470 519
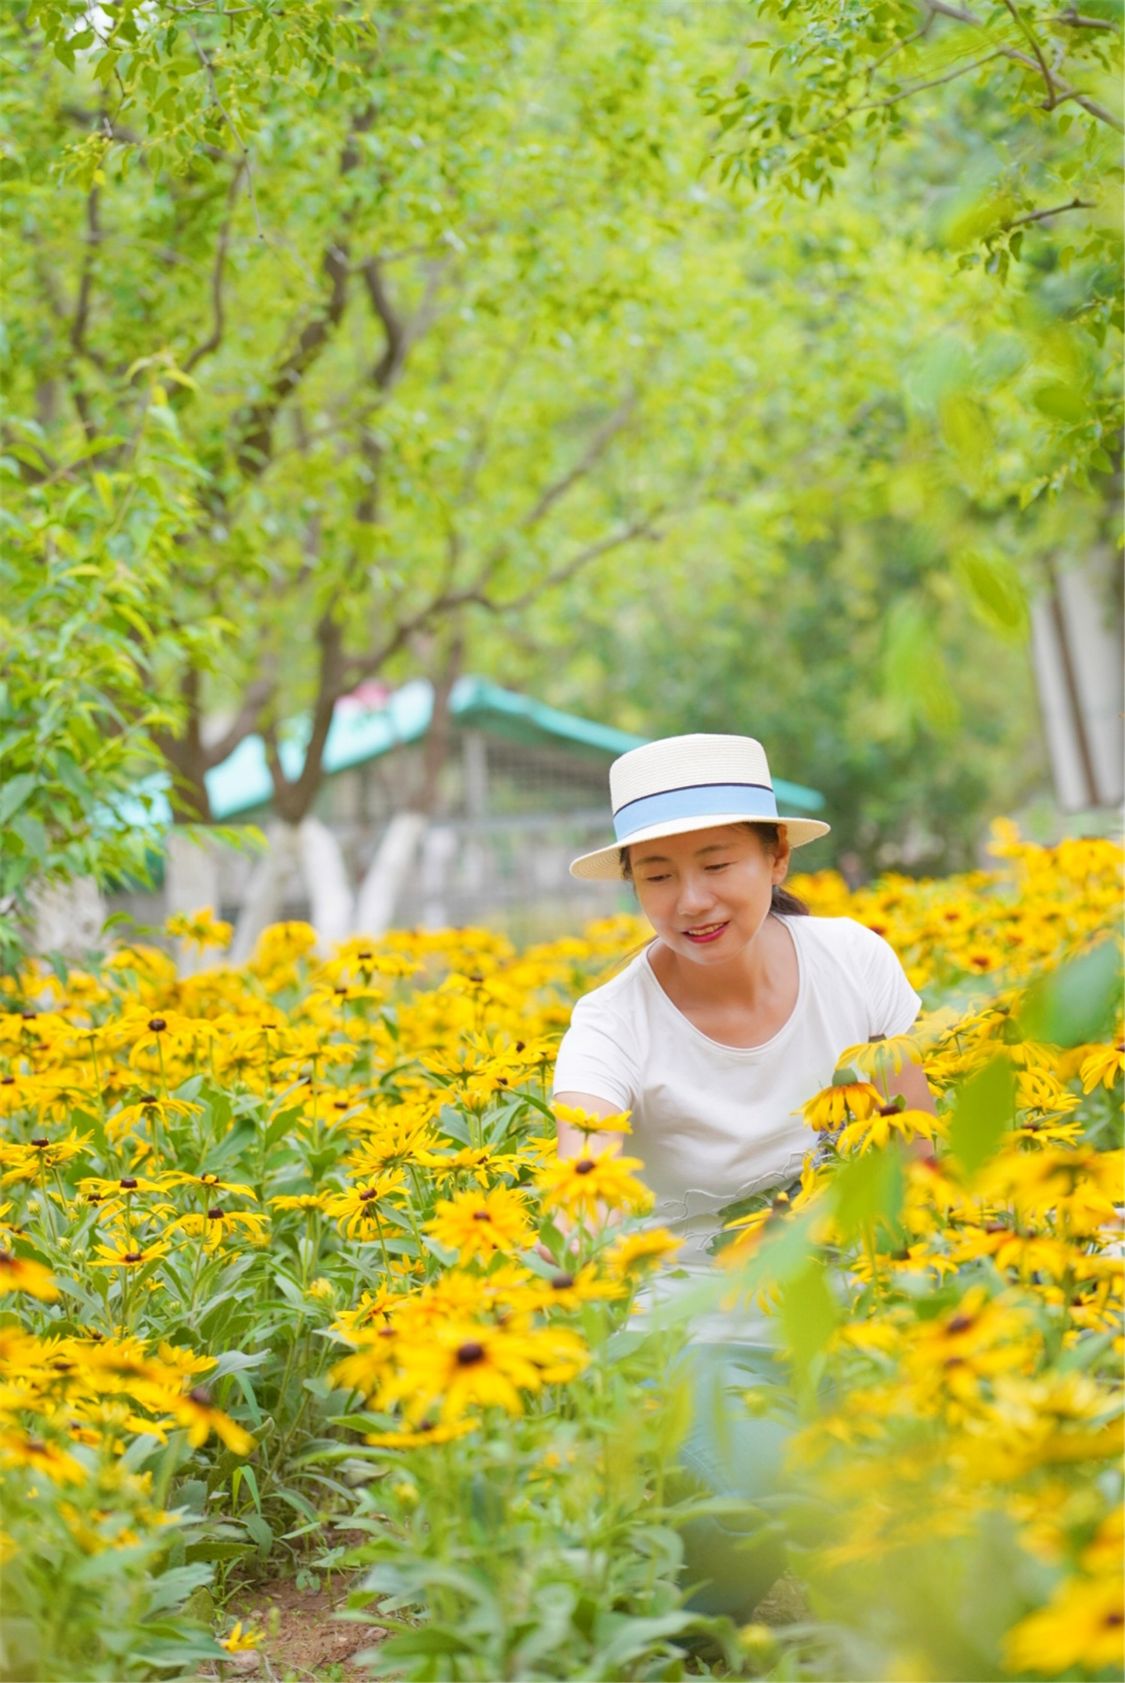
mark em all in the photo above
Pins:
pixel 736 1013
pixel 714 1036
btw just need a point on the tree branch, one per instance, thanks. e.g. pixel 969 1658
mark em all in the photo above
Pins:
pixel 1042 215
pixel 1024 27
pixel 644 526
pixel 589 458
pixel 242 725
pixel 243 149
pixel 1075 20
pixel 218 322
pixel 389 365
pixel 92 240
pixel 255 433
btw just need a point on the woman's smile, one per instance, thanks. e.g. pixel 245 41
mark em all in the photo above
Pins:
pixel 706 932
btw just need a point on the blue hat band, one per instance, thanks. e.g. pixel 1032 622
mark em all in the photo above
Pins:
pixel 702 800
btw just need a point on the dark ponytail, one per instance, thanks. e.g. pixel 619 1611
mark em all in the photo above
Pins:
pixel 782 903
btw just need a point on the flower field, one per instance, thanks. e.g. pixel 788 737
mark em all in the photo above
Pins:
pixel 293 1275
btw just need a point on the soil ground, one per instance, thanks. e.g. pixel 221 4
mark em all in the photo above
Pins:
pixel 304 1643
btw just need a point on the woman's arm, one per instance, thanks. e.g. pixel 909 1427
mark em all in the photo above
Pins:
pixel 571 1140
pixel 912 1084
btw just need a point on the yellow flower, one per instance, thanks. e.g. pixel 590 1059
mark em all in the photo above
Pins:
pixel 634 1252
pixel 200 929
pixel 605 1179
pixel 1102 1063
pixel 20 1273
pixel 427 1434
pixel 844 1101
pixel 467 1364
pixel 195 1411
pixel 478 1224
pixel 239 1641
pixel 129 1254
pixel 884 1124
pixel 357 1210
pixel 587 1123
pixel 218 1225
pixel 17 1449
pixel 1082 1625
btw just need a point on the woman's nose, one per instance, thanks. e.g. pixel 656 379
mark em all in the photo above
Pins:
pixel 696 895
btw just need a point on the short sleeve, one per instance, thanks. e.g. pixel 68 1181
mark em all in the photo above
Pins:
pixel 892 1003
pixel 595 1058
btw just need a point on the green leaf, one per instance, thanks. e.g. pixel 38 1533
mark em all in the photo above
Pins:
pixel 809 1315
pixel 868 1191
pixel 14 793
pixel 982 1113
pixel 996 592
pixel 1078 1002
pixel 1060 402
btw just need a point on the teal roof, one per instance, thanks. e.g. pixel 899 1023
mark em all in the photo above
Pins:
pixel 357 734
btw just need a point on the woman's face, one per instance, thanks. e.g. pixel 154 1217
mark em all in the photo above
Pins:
pixel 707 893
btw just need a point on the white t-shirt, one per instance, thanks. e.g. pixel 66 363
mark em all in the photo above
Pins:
pixel 711 1122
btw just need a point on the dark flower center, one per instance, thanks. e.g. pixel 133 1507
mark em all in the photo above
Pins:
pixel 7 1081
pixel 364 1196
pixel 40 1144
pixel 960 1323
pixel 584 1166
pixel 481 1215
pixel 562 1282
pixel 468 1355
pixel 133 1256
pixel 157 1024
pixel 215 1214
pixel 201 1396
pixel 128 1184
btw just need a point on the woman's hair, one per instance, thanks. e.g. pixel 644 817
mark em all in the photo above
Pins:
pixel 782 903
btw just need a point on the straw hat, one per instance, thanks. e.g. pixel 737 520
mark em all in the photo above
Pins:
pixel 684 783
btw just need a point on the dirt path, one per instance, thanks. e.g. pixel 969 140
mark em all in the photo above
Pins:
pixel 303 1642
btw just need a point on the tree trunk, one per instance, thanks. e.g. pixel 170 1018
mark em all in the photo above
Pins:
pixel 68 918
pixel 383 884
pixel 266 893
pixel 325 876
pixel 191 882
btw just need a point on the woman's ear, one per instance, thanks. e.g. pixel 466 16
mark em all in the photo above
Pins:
pixel 782 855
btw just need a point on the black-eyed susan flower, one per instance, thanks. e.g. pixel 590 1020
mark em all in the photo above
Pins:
pixel 467 1364
pixel 635 1253
pixel 126 1253
pixel 357 1211
pixel 198 1415
pixel 884 1124
pixel 585 1122
pixel 595 1179
pixel 200 929
pixel 844 1101
pixel 21 1273
pixel 427 1434
pixel 220 1225
pixel 1102 1064
pixel 478 1224
pixel 1083 1625
pixel 21 1449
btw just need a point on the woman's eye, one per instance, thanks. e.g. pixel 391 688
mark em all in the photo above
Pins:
pixel 716 867
pixel 656 879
